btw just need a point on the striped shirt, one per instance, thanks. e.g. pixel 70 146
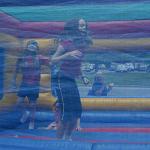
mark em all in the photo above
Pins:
pixel 30 67
pixel 71 67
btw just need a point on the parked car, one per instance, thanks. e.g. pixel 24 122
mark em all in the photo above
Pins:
pixel 129 66
pixel 102 66
pixel 113 66
pixel 121 68
pixel 88 67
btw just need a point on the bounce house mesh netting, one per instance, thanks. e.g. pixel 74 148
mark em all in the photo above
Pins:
pixel 75 74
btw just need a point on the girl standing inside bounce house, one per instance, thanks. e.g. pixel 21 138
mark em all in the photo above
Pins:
pixel 29 66
pixel 69 55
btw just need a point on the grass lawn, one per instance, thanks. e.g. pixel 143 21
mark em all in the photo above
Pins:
pixel 136 79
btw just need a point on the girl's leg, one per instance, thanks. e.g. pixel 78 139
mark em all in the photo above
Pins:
pixel 32 115
pixel 22 108
pixel 70 127
pixel 78 127
pixel 61 130
pixel 24 116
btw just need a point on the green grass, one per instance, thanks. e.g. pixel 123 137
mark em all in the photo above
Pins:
pixel 136 79
pixel 129 79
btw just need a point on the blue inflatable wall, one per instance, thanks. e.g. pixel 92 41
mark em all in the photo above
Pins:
pixel 1 71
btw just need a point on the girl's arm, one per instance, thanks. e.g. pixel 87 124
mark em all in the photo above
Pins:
pixel 16 72
pixel 85 79
pixel 61 55
pixel 58 56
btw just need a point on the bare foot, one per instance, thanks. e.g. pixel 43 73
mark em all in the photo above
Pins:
pixel 52 126
pixel 78 128
pixel 31 125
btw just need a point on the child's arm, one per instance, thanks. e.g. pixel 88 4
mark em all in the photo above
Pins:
pixel 84 78
pixel 60 55
pixel 16 73
pixel 110 86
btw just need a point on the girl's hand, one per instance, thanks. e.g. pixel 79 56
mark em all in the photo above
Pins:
pixel 85 80
pixel 75 54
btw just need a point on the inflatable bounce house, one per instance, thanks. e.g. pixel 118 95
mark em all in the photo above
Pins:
pixel 121 50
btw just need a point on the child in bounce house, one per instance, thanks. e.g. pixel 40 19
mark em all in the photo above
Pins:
pixel 56 106
pixel 69 55
pixel 99 87
pixel 29 66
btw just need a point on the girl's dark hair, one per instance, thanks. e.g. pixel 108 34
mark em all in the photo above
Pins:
pixel 71 31
pixel 72 27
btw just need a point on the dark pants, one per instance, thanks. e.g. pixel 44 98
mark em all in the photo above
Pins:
pixel 69 98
